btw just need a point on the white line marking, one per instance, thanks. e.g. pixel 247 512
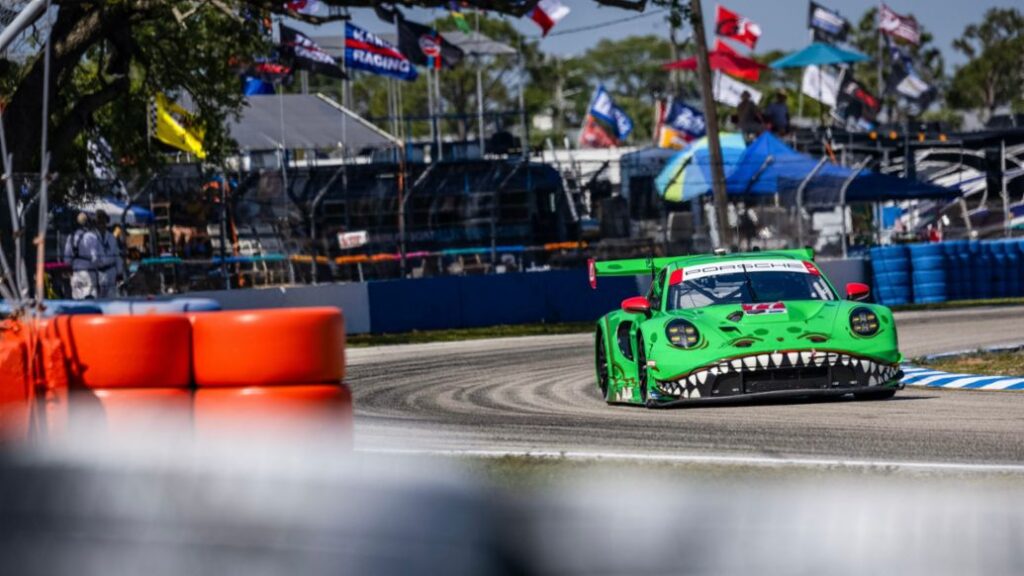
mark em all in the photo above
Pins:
pixel 1001 384
pixel 764 461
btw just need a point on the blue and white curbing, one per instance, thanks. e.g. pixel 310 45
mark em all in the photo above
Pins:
pixel 914 376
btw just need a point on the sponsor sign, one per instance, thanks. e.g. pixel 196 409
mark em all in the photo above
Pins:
pixel 765 308
pixel 348 240
pixel 749 266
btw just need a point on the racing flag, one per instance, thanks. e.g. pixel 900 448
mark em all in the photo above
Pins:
pixel 423 46
pixel 854 101
pixel 603 107
pixel 898 25
pixel 679 124
pixel 307 55
pixel 826 24
pixel 592 135
pixel 547 13
pixel 731 25
pixel 366 51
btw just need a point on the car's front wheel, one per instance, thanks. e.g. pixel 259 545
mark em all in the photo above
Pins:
pixel 881 394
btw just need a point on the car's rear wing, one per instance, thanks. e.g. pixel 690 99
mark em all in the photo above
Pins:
pixel 628 267
pixel 637 266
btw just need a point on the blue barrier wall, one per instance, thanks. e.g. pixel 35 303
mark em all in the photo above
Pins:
pixel 474 301
pixel 953 270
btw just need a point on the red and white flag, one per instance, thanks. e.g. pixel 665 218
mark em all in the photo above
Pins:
pixel 594 136
pixel 303 6
pixel 732 25
pixel 547 13
pixel 898 25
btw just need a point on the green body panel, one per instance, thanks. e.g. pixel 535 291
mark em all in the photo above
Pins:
pixel 809 326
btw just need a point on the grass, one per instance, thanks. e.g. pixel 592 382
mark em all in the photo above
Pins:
pixel 1009 363
pixel 420 337
pixel 961 304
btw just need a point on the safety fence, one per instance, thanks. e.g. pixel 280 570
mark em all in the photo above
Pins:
pixel 946 271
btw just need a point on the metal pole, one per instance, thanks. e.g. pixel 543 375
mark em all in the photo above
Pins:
pixel 711 120
pixel 440 111
pixel 480 91
pixel 1002 185
pixel 224 231
pixel 842 200
pixel 44 176
pixel 800 202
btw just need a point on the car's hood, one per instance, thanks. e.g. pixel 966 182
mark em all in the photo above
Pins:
pixel 807 315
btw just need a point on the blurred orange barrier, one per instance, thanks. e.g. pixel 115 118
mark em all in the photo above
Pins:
pixel 260 410
pixel 132 410
pixel 15 387
pixel 151 351
pixel 268 347
pixel 355 259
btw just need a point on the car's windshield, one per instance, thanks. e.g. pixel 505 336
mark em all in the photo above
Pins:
pixel 748 288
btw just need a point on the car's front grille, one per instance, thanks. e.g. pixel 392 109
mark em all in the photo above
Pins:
pixel 779 371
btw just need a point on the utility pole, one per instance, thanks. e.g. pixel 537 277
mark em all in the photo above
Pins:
pixel 711 121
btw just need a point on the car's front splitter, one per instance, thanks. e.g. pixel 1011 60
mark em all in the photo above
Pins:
pixel 659 401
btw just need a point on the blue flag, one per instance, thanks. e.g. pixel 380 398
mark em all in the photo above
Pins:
pixel 366 51
pixel 686 119
pixel 603 108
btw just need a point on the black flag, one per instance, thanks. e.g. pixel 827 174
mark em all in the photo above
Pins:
pixel 423 46
pixel 827 24
pixel 306 55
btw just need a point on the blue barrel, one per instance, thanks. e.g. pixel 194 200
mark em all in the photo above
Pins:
pixel 928 265
pixel 1017 245
pixel 957 277
pixel 981 271
pixel 997 267
pixel 891 274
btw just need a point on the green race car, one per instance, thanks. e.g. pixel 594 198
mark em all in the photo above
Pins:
pixel 717 328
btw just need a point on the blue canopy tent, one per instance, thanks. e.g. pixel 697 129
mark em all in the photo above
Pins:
pixel 769 166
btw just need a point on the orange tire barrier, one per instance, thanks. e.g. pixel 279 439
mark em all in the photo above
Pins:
pixel 268 347
pixel 131 410
pixel 152 351
pixel 15 386
pixel 266 410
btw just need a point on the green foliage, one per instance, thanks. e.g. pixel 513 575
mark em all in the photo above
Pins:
pixel 995 72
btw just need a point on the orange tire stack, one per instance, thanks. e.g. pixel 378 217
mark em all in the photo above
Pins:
pixel 254 372
pixel 270 370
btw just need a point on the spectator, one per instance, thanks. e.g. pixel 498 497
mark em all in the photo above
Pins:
pixel 748 117
pixel 82 252
pixel 111 265
pixel 777 115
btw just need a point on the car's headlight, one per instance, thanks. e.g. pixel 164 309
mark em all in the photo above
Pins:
pixel 682 333
pixel 863 322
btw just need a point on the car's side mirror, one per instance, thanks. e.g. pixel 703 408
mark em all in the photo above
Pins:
pixel 857 291
pixel 637 305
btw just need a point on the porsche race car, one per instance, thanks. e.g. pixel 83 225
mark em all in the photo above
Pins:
pixel 727 327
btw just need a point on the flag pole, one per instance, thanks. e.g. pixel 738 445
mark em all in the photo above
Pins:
pixel 711 121
pixel 440 111
pixel 881 53
pixel 479 90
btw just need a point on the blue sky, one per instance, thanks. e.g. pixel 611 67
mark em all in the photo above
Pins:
pixel 783 21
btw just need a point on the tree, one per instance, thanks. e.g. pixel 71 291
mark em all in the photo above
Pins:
pixel 993 75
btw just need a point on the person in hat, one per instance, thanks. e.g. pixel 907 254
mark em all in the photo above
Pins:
pixel 82 252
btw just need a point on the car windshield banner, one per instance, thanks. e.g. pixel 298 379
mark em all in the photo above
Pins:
pixel 366 51
pixel 748 266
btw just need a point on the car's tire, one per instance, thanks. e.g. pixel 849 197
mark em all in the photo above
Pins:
pixel 880 394
pixel 601 364
pixel 641 369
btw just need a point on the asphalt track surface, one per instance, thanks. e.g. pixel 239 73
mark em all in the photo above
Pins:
pixel 538 394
